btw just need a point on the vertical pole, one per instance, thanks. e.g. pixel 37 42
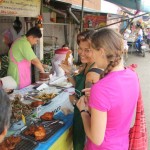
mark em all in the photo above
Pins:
pixel 82 13
pixel 41 8
pixel 39 48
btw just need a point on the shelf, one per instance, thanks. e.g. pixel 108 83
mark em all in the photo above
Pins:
pixel 52 23
pixel 90 28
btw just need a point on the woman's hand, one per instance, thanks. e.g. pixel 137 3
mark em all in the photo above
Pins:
pixel 45 66
pixel 87 91
pixel 73 99
pixel 82 103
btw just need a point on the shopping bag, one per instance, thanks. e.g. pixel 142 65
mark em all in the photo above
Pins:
pixel 138 139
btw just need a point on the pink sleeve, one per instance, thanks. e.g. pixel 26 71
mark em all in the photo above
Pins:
pixel 100 98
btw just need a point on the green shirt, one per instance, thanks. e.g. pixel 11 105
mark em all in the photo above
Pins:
pixel 21 49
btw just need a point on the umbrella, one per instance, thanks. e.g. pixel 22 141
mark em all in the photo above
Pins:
pixel 140 5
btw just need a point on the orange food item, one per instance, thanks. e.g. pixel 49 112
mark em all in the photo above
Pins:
pixel 47 116
pixel 40 133
pixel 37 103
pixel 30 131
pixel 10 143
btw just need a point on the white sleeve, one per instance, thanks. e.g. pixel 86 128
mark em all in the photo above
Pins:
pixel 140 32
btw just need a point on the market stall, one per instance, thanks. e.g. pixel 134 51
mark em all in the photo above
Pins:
pixel 27 112
pixel 42 97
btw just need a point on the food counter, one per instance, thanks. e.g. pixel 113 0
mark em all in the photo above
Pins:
pixel 61 132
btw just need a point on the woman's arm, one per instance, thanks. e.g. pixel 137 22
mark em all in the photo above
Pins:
pixel 36 62
pixel 88 80
pixel 91 78
pixel 95 125
pixel 71 79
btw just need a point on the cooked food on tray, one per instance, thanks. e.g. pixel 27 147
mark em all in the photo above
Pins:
pixel 39 98
pixel 45 96
pixel 10 143
pixel 47 116
pixel 37 103
pixel 30 130
pixel 38 132
pixel 19 108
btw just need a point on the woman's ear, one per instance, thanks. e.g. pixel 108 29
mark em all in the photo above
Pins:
pixel 3 134
pixel 102 53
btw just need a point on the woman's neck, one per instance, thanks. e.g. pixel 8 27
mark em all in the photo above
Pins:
pixel 90 63
pixel 119 67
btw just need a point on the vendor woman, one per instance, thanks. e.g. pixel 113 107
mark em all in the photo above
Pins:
pixel 21 56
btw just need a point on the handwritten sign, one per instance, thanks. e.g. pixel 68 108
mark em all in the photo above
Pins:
pixel 21 8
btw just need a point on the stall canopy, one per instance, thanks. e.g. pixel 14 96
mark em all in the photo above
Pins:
pixel 141 5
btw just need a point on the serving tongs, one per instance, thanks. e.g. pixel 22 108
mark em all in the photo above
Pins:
pixel 47 124
pixel 27 97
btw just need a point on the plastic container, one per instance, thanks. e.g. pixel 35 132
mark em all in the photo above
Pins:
pixel 60 55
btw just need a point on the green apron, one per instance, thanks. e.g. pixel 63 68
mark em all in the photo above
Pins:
pixel 78 128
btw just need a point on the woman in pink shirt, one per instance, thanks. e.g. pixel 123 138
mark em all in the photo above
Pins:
pixel 113 98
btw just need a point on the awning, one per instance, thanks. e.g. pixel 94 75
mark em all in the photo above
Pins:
pixel 141 5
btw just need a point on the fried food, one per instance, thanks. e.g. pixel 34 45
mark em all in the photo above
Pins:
pixel 38 132
pixel 30 130
pixel 37 103
pixel 10 143
pixel 19 108
pixel 45 96
pixel 47 116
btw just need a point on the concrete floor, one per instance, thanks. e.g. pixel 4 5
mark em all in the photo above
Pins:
pixel 143 71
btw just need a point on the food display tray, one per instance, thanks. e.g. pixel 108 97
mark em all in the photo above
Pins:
pixel 31 96
pixel 25 145
pixel 50 131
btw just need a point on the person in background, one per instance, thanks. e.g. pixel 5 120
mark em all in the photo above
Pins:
pixel 5 113
pixel 139 37
pixel 112 99
pixel 7 39
pixel 21 56
pixel 9 36
pixel 139 31
pixel 88 75
pixel 132 27
pixel 126 47
pixel 148 36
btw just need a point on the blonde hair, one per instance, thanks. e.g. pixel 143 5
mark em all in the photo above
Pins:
pixel 112 43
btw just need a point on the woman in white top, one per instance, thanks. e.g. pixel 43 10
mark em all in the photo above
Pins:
pixel 139 31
